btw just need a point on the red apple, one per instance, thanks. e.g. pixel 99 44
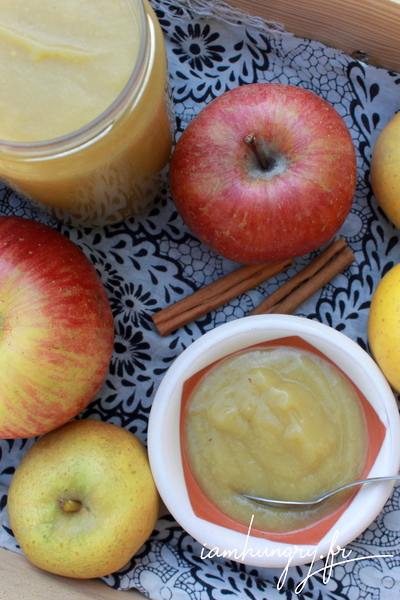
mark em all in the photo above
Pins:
pixel 56 329
pixel 265 172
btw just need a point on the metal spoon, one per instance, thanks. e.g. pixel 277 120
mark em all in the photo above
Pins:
pixel 290 505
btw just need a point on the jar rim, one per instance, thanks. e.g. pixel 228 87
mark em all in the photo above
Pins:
pixel 101 124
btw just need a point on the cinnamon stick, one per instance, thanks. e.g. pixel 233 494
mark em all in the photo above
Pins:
pixel 214 295
pixel 329 263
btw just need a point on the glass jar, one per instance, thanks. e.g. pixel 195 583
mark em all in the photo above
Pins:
pixel 113 166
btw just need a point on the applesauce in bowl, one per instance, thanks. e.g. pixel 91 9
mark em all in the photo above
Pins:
pixel 222 536
pixel 278 422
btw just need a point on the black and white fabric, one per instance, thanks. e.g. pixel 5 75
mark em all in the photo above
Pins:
pixel 152 261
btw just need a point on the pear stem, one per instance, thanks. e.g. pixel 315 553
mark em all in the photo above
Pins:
pixel 70 505
pixel 252 141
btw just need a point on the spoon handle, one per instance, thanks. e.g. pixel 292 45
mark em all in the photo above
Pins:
pixel 289 504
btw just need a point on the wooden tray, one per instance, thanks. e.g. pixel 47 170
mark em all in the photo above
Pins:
pixel 370 26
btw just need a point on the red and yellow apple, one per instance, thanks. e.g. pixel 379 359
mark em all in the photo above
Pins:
pixel 56 329
pixel 83 500
pixel 385 169
pixel 264 172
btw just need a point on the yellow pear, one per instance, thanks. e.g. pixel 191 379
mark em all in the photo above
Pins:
pixel 384 326
pixel 83 500
pixel 385 170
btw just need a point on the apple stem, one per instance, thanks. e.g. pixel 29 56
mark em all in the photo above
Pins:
pixel 252 141
pixel 70 505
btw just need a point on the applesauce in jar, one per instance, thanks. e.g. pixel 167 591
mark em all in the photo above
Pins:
pixel 276 422
pixel 85 107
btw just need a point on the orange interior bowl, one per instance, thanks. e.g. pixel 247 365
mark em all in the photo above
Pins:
pixel 308 534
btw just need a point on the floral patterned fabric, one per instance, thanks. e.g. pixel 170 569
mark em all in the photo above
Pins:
pixel 149 262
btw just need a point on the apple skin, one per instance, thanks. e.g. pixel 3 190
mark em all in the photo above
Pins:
pixel 56 329
pixel 251 215
pixel 103 467
pixel 385 170
pixel 384 326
